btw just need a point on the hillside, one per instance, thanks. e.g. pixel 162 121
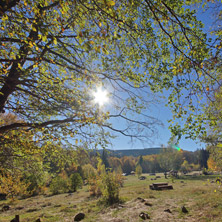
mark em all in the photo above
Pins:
pixel 133 152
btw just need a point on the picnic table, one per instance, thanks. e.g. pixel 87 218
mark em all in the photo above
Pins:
pixel 161 186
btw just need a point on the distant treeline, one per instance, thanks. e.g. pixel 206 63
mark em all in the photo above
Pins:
pixel 133 152
pixel 158 160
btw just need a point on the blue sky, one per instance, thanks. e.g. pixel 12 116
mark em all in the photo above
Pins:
pixel 163 113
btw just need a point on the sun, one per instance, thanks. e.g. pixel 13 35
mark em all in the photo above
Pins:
pixel 100 96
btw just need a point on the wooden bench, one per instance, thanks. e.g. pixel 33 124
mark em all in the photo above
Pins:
pixel 161 186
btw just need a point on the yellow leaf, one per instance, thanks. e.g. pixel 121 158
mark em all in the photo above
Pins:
pixel 34 29
pixel 111 3
pixel 100 24
pixel 19 65
pixel 55 41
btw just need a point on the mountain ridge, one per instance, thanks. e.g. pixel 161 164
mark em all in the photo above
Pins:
pixel 133 152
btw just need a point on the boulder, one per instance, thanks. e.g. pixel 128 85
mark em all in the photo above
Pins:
pixel 184 209
pixel 144 216
pixel 148 204
pixel 168 211
pixel 79 217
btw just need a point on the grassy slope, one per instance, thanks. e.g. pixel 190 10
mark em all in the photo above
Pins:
pixel 201 197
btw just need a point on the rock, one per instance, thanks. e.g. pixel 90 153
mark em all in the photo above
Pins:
pixel 168 211
pixel 38 220
pixel 158 177
pixel 144 216
pixel 79 217
pixel 6 208
pixel 184 209
pixel 182 181
pixel 16 219
pixel 148 204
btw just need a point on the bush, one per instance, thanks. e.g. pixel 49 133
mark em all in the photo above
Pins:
pixel 76 182
pixel 12 185
pixel 59 185
pixel 110 187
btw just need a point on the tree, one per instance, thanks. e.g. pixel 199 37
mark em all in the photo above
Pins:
pixel 89 171
pixel 138 170
pixel 128 164
pixel 105 158
pixel 212 165
pixel 164 160
pixel 185 167
pixel 203 157
pixel 140 161
pixel 150 164
pixel 115 163
pixel 54 53
pixel 76 182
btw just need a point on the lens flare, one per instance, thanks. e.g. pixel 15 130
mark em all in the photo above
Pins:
pixel 176 147
pixel 100 96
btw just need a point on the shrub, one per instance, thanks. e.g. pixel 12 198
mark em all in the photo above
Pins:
pixel 110 187
pixel 59 185
pixel 76 182
pixel 12 185
pixel 94 186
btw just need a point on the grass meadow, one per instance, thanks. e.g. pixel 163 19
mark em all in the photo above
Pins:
pixel 200 194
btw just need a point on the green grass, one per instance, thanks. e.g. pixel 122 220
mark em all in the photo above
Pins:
pixel 201 197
